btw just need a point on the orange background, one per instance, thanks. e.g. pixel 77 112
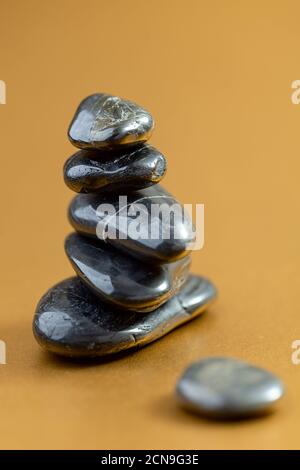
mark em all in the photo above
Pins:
pixel 217 77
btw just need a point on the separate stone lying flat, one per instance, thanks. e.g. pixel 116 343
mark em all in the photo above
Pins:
pixel 221 387
pixel 70 320
pixel 104 121
pixel 90 170
pixel 156 239
pixel 122 279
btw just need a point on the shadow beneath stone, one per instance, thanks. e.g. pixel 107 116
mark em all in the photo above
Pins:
pixel 52 359
pixel 170 408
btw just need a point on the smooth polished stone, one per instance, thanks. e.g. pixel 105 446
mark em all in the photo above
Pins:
pixel 157 239
pixel 70 320
pixel 93 171
pixel 222 387
pixel 104 121
pixel 122 279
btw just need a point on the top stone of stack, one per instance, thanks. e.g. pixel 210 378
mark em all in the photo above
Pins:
pixel 106 122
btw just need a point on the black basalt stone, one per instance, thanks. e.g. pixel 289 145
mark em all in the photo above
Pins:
pixel 173 236
pixel 122 279
pixel 93 171
pixel 71 321
pixel 104 121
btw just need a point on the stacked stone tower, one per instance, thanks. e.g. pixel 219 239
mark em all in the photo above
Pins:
pixel 131 245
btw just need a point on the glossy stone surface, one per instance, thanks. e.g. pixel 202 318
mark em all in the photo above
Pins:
pixel 228 388
pixel 93 171
pixel 104 121
pixel 71 321
pixel 122 279
pixel 158 240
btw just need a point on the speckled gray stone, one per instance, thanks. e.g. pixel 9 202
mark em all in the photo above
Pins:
pixel 104 121
pixel 122 279
pixel 71 321
pixel 222 387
